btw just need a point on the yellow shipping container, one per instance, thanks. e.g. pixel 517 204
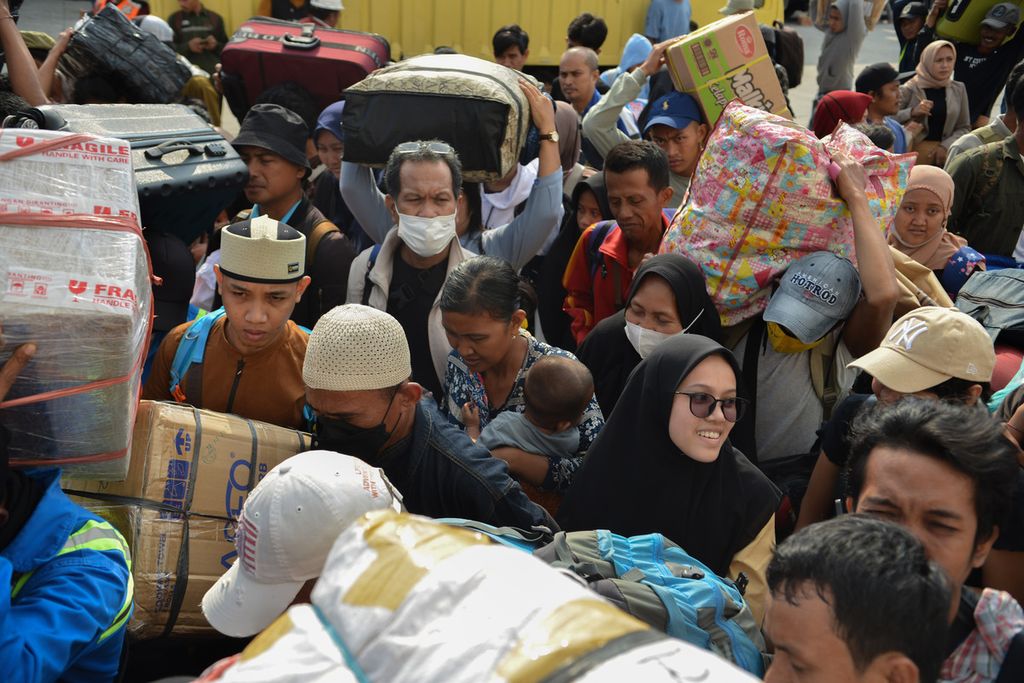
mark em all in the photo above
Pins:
pixel 417 26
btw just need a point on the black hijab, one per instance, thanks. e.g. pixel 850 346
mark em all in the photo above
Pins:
pixel 607 352
pixel 635 480
pixel 550 292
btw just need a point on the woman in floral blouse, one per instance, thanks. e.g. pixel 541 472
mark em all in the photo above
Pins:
pixel 481 314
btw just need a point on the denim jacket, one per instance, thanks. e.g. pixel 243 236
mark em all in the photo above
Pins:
pixel 442 473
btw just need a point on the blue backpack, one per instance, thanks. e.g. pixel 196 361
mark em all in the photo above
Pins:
pixel 657 582
pixel 188 388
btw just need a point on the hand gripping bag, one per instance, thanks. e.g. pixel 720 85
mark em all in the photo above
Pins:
pixel 761 198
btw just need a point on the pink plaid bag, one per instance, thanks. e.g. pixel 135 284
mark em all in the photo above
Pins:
pixel 762 197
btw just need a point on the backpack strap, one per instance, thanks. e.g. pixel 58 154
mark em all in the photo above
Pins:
pixel 991 170
pixel 370 263
pixel 191 350
pixel 823 376
pixel 595 259
pixel 319 231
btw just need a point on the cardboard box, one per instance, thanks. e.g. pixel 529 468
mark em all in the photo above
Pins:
pixel 723 61
pixel 186 464
pixel 74 279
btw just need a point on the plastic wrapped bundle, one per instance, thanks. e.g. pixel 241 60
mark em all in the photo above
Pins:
pixel 762 197
pixel 414 600
pixel 76 282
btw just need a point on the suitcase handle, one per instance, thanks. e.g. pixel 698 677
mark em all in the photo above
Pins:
pixel 304 41
pixel 215 149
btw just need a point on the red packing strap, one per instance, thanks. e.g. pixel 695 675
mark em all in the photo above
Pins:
pixel 46 146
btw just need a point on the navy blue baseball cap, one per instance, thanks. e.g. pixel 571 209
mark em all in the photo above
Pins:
pixel 676 110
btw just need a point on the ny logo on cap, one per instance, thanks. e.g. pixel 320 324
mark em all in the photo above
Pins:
pixel 907 332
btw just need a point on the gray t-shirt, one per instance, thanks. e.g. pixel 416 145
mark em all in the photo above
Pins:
pixel 510 428
pixel 789 412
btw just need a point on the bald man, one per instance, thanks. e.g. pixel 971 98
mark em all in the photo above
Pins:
pixel 578 77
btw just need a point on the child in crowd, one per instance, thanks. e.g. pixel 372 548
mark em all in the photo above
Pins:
pixel 557 392
pixel 844 27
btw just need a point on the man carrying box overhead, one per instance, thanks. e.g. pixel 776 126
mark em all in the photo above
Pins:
pixel 244 358
pixel 69 573
pixel 675 123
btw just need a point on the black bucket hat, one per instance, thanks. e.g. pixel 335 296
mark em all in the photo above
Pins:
pixel 275 128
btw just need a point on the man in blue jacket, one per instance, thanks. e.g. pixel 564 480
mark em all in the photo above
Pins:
pixel 69 574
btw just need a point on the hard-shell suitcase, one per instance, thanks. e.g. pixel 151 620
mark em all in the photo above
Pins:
pixel 109 44
pixel 185 171
pixel 962 19
pixel 265 52
pixel 474 105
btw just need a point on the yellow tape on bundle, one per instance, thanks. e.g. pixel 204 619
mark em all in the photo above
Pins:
pixel 407 548
pixel 565 635
pixel 265 640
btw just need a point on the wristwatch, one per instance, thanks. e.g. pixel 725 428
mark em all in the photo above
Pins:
pixel 553 136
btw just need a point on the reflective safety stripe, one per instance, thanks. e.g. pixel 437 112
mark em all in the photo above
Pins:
pixel 100 537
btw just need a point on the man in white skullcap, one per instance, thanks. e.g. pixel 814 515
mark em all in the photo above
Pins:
pixel 357 371
pixel 246 357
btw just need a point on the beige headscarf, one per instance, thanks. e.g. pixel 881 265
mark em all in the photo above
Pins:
pixel 567 123
pixel 935 253
pixel 924 77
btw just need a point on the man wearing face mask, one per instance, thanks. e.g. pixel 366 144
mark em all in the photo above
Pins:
pixel 819 319
pixel 356 371
pixel 405 274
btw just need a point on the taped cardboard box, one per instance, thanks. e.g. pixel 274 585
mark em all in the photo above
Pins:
pixel 187 464
pixel 74 280
pixel 724 61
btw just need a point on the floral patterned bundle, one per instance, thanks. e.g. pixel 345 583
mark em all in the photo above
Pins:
pixel 762 197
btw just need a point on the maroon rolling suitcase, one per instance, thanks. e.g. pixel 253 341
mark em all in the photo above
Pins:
pixel 266 52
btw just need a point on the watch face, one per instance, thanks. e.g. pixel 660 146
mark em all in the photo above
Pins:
pixel 553 136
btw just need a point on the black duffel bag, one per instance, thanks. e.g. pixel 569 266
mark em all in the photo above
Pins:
pixel 108 44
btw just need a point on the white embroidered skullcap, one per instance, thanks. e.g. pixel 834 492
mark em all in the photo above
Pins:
pixel 263 250
pixel 356 348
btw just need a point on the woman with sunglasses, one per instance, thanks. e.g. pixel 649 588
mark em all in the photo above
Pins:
pixel 663 463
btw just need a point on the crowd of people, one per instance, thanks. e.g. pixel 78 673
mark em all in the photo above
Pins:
pixel 518 352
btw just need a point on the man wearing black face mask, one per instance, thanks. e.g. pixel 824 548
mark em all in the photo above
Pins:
pixel 356 371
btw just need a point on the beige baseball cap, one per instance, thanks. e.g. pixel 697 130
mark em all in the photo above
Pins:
pixel 263 250
pixel 928 346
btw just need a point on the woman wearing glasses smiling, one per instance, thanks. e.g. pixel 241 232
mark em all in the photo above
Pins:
pixel 663 463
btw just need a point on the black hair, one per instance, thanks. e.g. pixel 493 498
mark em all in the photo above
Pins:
pixel 393 169
pixel 586 30
pixel 445 50
pixel 1012 82
pixel 557 389
pixel 879 133
pixel 471 191
pixel 510 36
pixel 964 437
pixel 956 389
pixel 883 592
pixel 95 88
pixel 291 95
pixel 643 154
pixel 483 284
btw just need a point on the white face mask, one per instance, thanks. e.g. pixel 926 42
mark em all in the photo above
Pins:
pixel 645 340
pixel 426 236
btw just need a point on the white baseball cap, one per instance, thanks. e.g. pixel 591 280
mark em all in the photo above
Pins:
pixel 330 5
pixel 285 531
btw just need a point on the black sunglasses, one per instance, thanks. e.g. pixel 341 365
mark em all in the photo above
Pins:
pixel 703 404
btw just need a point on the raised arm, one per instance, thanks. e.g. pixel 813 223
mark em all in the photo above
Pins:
pixel 365 200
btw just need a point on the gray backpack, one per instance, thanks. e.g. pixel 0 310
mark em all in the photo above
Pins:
pixel 995 298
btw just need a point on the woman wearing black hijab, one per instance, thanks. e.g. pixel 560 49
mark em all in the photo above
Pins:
pixel 668 296
pixel 589 204
pixel 663 463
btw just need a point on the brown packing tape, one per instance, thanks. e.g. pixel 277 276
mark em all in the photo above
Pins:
pixel 564 635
